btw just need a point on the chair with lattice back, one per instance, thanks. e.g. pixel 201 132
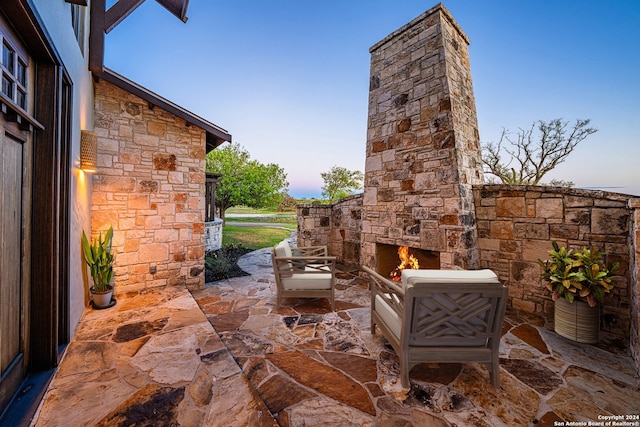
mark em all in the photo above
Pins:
pixel 303 272
pixel 440 316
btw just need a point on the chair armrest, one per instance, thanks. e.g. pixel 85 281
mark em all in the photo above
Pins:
pixel 391 293
pixel 306 264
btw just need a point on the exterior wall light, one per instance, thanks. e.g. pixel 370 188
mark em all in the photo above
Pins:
pixel 89 151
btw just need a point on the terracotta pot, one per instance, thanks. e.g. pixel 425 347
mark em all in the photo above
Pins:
pixel 102 299
pixel 577 321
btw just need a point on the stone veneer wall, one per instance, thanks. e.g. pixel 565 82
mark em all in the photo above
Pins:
pixel 337 226
pixel 634 205
pixel 516 225
pixel 150 186
pixel 423 149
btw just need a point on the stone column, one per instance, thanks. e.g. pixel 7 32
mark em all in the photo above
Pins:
pixel 423 150
pixel 634 267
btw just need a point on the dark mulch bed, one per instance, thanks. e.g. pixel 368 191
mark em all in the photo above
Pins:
pixel 223 263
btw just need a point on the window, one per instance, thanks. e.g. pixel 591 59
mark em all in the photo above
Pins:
pixel 77 22
pixel 21 83
pixel 14 75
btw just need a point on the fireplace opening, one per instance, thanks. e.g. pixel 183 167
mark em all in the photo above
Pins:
pixel 388 260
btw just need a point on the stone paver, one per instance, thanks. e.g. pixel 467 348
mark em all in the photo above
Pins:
pixel 151 360
pixel 154 359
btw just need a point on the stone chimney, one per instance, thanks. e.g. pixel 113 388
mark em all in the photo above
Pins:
pixel 423 150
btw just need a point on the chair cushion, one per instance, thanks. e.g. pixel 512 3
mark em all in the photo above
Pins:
pixel 388 316
pixel 283 249
pixel 449 276
pixel 307 281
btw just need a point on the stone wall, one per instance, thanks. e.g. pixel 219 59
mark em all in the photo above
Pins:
pixel 150 187
pixel 337 226
pixel 516 225
pixel 423 150
pixel 634 206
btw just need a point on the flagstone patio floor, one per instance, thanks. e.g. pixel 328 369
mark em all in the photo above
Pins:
pixel 224 356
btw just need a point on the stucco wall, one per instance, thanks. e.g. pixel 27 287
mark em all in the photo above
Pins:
pixel 150 186
pixel 55 17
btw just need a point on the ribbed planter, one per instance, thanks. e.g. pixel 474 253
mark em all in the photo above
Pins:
pixel 577 321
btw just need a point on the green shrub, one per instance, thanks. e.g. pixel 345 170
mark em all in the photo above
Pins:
pixel 579 273
pixel 223 263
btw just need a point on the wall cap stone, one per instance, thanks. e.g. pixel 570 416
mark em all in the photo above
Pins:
pixel 406 27
pixel 594 194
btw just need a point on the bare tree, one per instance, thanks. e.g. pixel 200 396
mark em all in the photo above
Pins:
pixel 532 155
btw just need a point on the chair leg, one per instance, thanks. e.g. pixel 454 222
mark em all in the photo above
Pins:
pixel 404 372
pixel 494 371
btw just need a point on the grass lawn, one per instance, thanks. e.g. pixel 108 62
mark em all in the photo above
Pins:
pixel 246 210
pixel 236 241
pixel 279 218
pixel 253 237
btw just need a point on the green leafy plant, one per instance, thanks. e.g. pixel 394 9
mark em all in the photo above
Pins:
pixel 99 258
pixel 577 273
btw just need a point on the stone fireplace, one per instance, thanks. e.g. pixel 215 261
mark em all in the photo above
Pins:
pixel 388 259
pixel 423 152
pixel 423 187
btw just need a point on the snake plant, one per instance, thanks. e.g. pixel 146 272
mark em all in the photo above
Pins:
pixel 99 258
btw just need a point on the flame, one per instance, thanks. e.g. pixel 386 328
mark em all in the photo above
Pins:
pixel 407 261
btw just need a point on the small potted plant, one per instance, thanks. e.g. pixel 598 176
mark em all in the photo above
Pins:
pixel 99 258
pixel 578 280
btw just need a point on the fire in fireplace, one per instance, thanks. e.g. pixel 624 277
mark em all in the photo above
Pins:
pixel 407 261
pixel 392 259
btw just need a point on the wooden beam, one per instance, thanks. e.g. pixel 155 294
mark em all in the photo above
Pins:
pixel 119 12
pixel 96 35
pixel 177 7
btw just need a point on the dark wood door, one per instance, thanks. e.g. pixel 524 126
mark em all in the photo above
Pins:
pixel 13 292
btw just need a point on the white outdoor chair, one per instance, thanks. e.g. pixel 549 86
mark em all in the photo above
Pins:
pixel 440 316
pixel 304 272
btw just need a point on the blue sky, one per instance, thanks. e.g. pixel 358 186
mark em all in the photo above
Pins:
pixel 289 79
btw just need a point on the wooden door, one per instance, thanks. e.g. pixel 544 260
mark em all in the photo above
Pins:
pixel 13 292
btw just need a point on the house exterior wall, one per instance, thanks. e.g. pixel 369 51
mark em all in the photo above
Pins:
pixel 150 187
pixel 56 17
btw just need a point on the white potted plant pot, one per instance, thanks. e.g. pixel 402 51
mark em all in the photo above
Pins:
pixel 102 299
pixel 99 259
